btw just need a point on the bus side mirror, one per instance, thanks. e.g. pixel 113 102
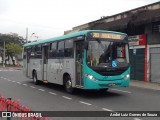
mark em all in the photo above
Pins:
pixel 86 45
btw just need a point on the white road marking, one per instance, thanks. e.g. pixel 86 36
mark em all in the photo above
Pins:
pixel 32 87
pixel 137 119
pixel 106 109
pixel 41 90
pixel 121 90
pixel 25 84
pixel 19 83
pixel 5 78
pixel 67 97
pixel 85 103
pixel 13 81
pixel 52 93
pixel 9 80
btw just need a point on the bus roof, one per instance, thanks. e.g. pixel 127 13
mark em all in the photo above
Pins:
pixel 71 35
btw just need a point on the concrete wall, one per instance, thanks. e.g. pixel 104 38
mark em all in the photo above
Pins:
pixel 153 38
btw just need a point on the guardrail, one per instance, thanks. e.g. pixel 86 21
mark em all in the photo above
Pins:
pixel 12 109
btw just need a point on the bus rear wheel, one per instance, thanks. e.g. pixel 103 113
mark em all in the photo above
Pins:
pixel 35 81
pixel 68 85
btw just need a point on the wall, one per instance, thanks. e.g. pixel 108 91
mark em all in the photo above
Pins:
pixel 153 38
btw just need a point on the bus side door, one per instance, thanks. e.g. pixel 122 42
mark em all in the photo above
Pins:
pixel 79 63
pixel 60 62
pixel 28 73
pixel 44 61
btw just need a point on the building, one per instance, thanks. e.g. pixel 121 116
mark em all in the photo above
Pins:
pixel 143 27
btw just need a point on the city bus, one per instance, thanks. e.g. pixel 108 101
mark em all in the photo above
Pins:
pixel 89 59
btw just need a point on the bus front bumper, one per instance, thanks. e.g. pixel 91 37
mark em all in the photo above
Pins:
pixel 97 84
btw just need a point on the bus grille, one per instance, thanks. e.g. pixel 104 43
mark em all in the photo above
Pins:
pixel 111 71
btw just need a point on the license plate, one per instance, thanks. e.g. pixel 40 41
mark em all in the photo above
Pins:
pixel 111 84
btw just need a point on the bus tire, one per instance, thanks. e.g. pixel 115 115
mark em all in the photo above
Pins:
pixel 68 84
pixel 35 81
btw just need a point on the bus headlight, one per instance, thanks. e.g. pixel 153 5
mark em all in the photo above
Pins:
pixel 91 77
pixel 126 77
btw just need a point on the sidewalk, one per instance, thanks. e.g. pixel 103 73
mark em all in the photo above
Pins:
pixel 147 85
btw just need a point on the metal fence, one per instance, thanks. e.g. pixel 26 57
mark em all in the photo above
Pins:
pixel 13 110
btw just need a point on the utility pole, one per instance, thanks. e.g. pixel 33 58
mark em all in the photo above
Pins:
pixel 4 53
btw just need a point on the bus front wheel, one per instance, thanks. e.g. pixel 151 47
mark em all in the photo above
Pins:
pixel 35 81
pixel 68 84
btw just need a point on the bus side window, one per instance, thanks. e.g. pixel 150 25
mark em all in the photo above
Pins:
pixel 68 51
pixel 36 48
pixel 60 50
pixel 38 51
pixel 53 50
pixel 32 51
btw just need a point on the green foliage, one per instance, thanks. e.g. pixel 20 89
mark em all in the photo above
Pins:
pixel 11 38
pixel 13 48
pixel 13 42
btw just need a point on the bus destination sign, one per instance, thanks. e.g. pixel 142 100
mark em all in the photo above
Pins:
pixel 107 36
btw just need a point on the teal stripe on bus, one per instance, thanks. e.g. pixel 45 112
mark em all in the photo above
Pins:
pixel 72 35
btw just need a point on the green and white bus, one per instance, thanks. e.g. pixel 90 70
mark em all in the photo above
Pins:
pixel 89 59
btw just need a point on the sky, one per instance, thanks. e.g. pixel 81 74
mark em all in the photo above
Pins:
pixel 50 18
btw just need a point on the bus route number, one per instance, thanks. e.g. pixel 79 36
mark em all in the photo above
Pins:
pixel 107 35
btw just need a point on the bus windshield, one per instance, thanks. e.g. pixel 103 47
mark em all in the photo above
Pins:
pixel 103 53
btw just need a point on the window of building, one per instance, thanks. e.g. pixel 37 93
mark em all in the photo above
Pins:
pixel 156 27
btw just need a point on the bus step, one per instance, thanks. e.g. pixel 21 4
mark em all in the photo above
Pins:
pixel 79 86
pixel 45 81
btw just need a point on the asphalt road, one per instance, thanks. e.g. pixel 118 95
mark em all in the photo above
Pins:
pixel 51 97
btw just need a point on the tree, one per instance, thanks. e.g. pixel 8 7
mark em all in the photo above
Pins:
pixel 12 49
pixel 12 37
pixel 13 46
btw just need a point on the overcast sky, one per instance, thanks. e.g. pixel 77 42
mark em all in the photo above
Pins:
pixel 50 18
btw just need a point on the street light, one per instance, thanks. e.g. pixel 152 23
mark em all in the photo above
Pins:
pixel 31 36
pixel 37 38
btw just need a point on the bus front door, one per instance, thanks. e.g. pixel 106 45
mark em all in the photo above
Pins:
pixel 44 63
pixel 79 64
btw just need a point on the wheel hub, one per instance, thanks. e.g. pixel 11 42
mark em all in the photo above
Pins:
pixel 68 84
